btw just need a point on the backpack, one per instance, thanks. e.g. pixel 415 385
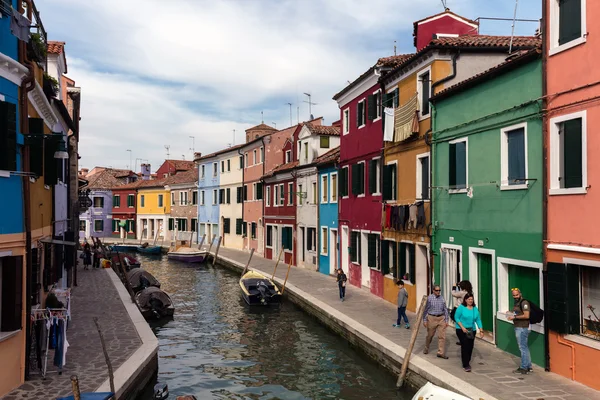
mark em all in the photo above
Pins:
pixel 536 314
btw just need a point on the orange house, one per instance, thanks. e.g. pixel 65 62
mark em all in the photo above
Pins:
pixel 572 43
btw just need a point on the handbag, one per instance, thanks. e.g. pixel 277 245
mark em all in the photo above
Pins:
pixel 343 283
pixel 470 334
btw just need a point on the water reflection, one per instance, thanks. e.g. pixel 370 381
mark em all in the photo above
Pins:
pixel 217 347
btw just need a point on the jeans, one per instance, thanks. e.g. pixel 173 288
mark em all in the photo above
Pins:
pixel 401 315
pixel 342 291
pixel 522 335
pixel 466 348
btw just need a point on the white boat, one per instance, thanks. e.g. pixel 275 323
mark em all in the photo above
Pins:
pixel 433 392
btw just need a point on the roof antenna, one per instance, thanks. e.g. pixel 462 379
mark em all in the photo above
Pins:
pixel 512 34
pixel 445 5
pixel 262 117
pixel 167 147
pixel 394 47
pixel 234 137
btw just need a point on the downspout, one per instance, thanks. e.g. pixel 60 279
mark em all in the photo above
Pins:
pixel 27 86
pixel 378 72
pixel 545 39
pixel 243 171
pixel 572 347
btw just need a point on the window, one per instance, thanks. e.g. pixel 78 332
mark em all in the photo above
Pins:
pixel 245 192
pixel 183 198
pixel 324 240
pixel 311 239
pixel 194 225
pixel 202 197
pixel 226 225
pixel 314 192
pixel 240 195
pixel 228 193
pixel 290 194
pixel 355 250
pixel 324 189
pixel 324 142
pixel 160 200
pixel 374 106
pixel 374 176
pixel 262 154
pixel 281 194
pixel 115 225
pixel 334 188
pixel 568 154
pixel 424 90
pixel 287 238
pixel 392 98
pixel 255 158
pixel 258 191
pixel 222 166
pixel 202 171
pixel 514 157
pixel 238 226
pixel 246 158
pixel 116 201
pixel 241 162
pixel 253 231
pixel 215 166
pixel 360 114
pixel 171 224
pixel 300 194
pixel 276 197
pixel 214 197
pixel 346 121
pixel 423 191
pixel 142 198
pixel 130 200
pixel 390 191
pixel 389 258
pixel 306 150
pixel 358 179
pixel 221 196
pixel 173 198
pixel 288 156
pixel 373 251
pixel 343 189
pixel 228 165
pixel 567 24
pixel 194 197
pixel 269 236
pixel 98 225
pixel 268 195
pixel 11 284
pixel 457 170
pixel 590 297
pixel 82 226
pixel 99 202
pixel 407 262
pixel 182 224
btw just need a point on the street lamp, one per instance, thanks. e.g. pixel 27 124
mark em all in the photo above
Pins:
pixel 61 150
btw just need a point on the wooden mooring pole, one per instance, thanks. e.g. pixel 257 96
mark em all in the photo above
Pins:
pixel 75 387
pixel 248 263
pixel 211 243
pixel 276 264
pixel 202 242
pixel 286 276
pixel 111 377
pixel 413 338
pixel 217 251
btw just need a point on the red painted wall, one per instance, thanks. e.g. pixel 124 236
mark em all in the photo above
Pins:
pixel 444 24
pixel 376 283
pixel 354 274
pixel 123 209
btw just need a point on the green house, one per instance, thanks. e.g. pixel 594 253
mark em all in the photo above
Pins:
pixel 487 192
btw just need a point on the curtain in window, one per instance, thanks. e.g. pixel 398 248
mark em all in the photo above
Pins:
pixel 448 272
pixel 591 297
pixel 516 157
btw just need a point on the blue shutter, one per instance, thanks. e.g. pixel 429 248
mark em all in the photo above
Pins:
pixel 516 157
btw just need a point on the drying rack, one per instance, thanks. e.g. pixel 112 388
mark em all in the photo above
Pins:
pixel 46 314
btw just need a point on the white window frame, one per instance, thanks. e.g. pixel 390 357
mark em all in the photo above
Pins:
pixel 195 191
pixel 222 166
pixel 267 226
pixel 276 196
pixel 418 194
pixel 306 152
pixel 281 192
pixel 94 225
pixel 202 171
pixel 262 154
pixel 268 195
pixel 419 90
pixel 299 188
pixel 365 189
pixel 346 120
pixel 160 199
pixel 377 177
pixel 324 236
pixel 288 156
pixel 466 189
pixel 215 195
pixel 359 243
pixel 556 152
pixel 246 159
pixel 215 169
pixel 348 186
pixel 133 202
pixel 363 100
pixel 364 246
pixel 202 198
pixel 290 194
pixel 554 47
pixel 254 191
pixel 332 186
pixel 504 184
pixel 229 165
pixel 379 107
pixel 255 157
pixel 324 185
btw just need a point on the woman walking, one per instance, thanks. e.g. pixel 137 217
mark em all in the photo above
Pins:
pixel 87 256
pixel 459 292
pixel 468 322
pixel 341 280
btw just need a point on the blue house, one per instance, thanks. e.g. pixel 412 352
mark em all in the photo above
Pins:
pixel 329 257
pixel 210 195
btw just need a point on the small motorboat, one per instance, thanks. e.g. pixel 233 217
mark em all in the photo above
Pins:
pixel 123 248
pixel 257 289
pixel 188 254
pixel 154 303
pixel 147 249
pixel 128 262
pixel 433 392
pixel 140 279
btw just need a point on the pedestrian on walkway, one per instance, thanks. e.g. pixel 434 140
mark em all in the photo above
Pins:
pixel 341 280
pixel 402 303
pixel 458 292
pixel 435 319
pixel 468 323
pixel 520 317
pixel 87 256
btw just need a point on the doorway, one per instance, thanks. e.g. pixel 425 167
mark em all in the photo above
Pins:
pixel 344 245
pixel 485 292
pixel 365 271
pixel 333 251
pixel 450 271
pixel 302 246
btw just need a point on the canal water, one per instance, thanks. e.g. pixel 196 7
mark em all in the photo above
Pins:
pixel 217 347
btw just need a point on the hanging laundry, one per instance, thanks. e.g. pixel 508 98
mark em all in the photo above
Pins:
pixel 388 215
pixel 412 216
pixel 421 214
pixel 388 127
pixel 19 26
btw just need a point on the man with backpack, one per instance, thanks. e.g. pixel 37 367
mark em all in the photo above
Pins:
pixel 524 312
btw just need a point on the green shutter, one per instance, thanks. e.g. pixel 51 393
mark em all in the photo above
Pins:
pixel 238 226
pixel 372 250
pixel 396 95
pixel 402 259
pixel 569 24
pixel 36 146
pixel 572 149
pixel 385 257
pixel 355 179
pixel 245 192
pixel 563 314
pixel 371 107
pixel 245 228
pixel 373 176
pixel 259 191
pixel 361 187
pixel 412 269
pixel 171 224
pixel 8 136
pixel 226 225
pixel 50 146
pixel 395 260
pixel 452 165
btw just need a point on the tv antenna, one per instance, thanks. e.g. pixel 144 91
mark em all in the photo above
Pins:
pixel 274 124
pixel 193 144
pixel 290 104
pixel 512 34
pixel 167 147
pixel 233 138
pixel 310 104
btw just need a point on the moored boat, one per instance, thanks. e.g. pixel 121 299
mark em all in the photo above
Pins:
pixel 140 279
pixel 257 289
pixel 433 392
pixel 149 249
pixel 124 248
pixel 188 254
pixel 155 303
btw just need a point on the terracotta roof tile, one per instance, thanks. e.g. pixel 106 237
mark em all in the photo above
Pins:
pixel 261 127
pixel 216 153
pixel 324 130
pixel 109 178
pixel 393 61
pixel 181 165
pixel 331 156
pixel 190 176
pixel 282 168
pixel 56 47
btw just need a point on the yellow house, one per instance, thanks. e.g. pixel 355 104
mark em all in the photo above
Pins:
pixel 153 208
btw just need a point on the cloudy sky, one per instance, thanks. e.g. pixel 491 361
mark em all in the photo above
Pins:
pixel 153 73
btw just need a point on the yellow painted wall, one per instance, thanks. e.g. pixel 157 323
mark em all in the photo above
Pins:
pixel 390 293
pixel 151 201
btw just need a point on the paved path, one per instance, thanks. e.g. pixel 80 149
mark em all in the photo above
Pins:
pixel 95 296
pixel 492 368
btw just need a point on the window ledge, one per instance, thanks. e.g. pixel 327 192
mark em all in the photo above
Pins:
pixel 567 46
pixel 424 117
pixel 324 254
pixel 8 335
pixel 362 126
pixel 360 195
pixel 455 191
pixel 538 328
pixel 558 192
pixel 376 119
pixel 514 187
pixel 4 174
pixel 584 341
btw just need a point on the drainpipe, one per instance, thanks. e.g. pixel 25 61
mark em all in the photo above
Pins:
pixel 572 347
pixel 243 171
pixel 27 86
pixel 428 141
pixel 545 187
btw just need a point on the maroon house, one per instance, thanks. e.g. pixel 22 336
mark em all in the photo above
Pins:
pixel 172 167
pixel 124 210
pixel 361 148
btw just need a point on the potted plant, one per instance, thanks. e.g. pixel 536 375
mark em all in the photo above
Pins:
pixel 50 86
pixel 36 48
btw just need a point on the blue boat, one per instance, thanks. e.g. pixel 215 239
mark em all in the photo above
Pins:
pixel 149 249
pixel 124 248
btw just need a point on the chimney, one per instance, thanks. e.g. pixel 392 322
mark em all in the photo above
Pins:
pixel 145 172
pixel 83 172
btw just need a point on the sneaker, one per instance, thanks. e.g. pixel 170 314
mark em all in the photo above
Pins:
pixel 520 371
pixel 343 299
pixel 529 369
pixel 396 326
pixel 468 369
pixel 407 326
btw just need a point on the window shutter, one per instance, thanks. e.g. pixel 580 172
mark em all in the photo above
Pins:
pixel 171 224
pixel 563 298
pixel 452 165
pixel 309 239
pixel 8 136
pixel 239 195
pixel 36 146
pixel 402 259
pixel 387 182
pixel 12 294
pixel 50 145
pixel 259 191
pixel 425 93
pixel 425 178
pixel 226 224
pixel 385 257
pixel 284 234
pixel 361 185
pixel 353 246
pixel 396 98
pixel 372 176
pixel 372 251
pixel 245 193
pixel 412 263
pixel 395 260
pixel 354 177
pixel 371 107
pixel 572 161
pixel 238 226
pixel 516 156
pixel 245 228
pixel 228 195
pixel 569 25
pixel 358 108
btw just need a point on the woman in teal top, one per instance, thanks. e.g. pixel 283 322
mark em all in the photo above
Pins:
pixel 468 322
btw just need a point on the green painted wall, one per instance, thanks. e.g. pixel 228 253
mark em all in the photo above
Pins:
pixel 508 221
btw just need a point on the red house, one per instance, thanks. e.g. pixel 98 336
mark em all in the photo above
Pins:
pixel 361 147
pixel 171 167
pixel 443 24
pixel 124 210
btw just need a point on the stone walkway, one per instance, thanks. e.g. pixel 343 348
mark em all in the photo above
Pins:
pixel 492 367
pixel 95 296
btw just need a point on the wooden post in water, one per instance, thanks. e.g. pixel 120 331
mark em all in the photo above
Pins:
pixel 278 258
pixel 286 276
pixel 191 238
pixel 217 250
pixel 111 377
pixel 411 344
pixel 75 387
pixel 248 263
pixel 210 247
pixel 202 242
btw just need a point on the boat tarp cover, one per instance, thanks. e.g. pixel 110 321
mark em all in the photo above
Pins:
pixel 152 292
pixel 134 277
